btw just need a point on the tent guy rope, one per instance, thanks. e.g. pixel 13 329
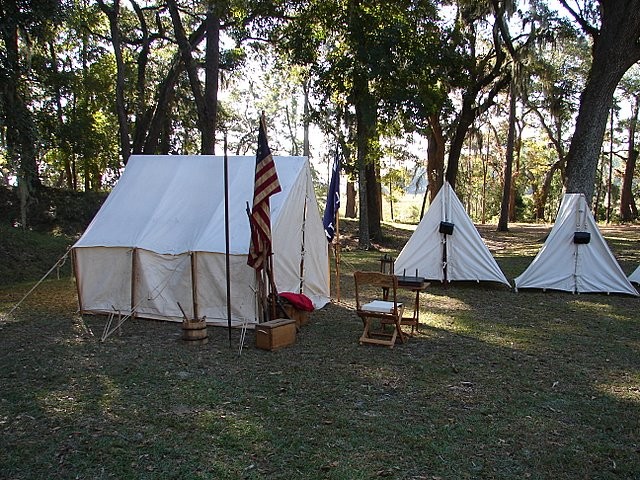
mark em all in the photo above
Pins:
pixel 59 263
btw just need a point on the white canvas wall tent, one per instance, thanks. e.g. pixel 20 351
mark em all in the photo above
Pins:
pixel 446 245
pixel 635 276
pixel 159 239
pixel 575 256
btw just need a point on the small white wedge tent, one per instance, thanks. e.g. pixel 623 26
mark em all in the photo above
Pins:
pixel 159 239
pixel 575 257
pixel 446 245
pixel 635 276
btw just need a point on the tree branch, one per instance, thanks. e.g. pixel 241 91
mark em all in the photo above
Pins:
pixel 586 26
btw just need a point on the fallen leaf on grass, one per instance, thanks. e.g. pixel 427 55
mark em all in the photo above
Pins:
pixel 329 466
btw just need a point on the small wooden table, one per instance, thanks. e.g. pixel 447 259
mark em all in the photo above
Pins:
pixel 415 284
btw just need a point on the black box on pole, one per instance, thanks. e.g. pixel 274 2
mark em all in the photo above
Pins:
pixel 446 228
pixel 581 237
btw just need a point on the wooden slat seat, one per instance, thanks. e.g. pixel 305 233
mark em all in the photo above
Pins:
pixel 376 311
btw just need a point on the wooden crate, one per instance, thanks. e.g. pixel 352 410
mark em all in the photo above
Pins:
pixel 300 316
pixel 275 334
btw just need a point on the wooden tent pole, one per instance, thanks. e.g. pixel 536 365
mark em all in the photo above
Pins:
pixel 134 274
pixel 74 263
pixel 329 248
pixel 194 285
pixel 446 216
pixel 273 291
pixel 337 255
pixel 302 250
pixel 226 236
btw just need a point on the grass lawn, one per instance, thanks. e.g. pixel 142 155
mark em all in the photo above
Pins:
pixel 496 384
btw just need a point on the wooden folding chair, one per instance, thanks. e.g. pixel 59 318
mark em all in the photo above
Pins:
pixel 378 313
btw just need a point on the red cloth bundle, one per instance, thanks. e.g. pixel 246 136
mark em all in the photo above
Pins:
pixel 298 300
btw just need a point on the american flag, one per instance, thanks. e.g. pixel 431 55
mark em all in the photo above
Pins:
pixel 266 184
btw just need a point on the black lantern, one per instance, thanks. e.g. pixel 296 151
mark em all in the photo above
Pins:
pixel 581 237
pixel 386 264
pixel 446 228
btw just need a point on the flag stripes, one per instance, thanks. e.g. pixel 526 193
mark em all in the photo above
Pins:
pixel 266 184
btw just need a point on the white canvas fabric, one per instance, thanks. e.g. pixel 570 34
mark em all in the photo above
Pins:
pixel 635 276
pixel 468 258
pixel 562 264
pixel 164 221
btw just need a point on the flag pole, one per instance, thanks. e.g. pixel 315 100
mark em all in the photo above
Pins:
pixel 226 235
pixel 337 254
pixel 260 294
pixel 260 248
pixel 331 218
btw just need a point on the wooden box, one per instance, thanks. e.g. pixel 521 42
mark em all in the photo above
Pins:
pixel 275 334
pixel 300 316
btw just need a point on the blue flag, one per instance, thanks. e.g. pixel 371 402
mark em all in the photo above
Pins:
pixel 333 201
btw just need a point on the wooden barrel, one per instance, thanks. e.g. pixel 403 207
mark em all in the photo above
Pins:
pixel 195 333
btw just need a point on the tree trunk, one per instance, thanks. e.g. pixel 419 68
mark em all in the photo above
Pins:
pixel 366 134
pixel 291 128
pixel 540 200
pixel 628 209
pixel 143 114
pixel 350 207
pixel 467 115
pixel 615 50
pixel 121 109
pixel 516 174
pixel 503 222
pixel 584 152
pixel 194 80
pixel 155 128
pixel 19 122
pixel 157 137
pixel 610 169
pixel 485 172
pixel 306 150
pixel 596 202
pixel 435 158
pixel 211 68
pixel 498 80
pixel 555 136
pixel 60 118
pixel 374 201
pixel 364 124
pixel 364 241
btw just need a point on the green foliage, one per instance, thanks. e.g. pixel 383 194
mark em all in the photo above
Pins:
pixel 412 55
pixel 27 256
pixel 55 211
pixel 396 51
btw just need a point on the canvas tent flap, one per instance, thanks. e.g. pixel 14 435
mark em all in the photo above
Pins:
pixel 423 251
pixel 468 258
pixel 635 276
pixel 295 225
pixel 138 249
pixel 564 265
pixel 113 291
